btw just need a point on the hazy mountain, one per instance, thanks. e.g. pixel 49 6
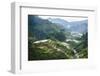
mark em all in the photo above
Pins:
pixel 75 26
pixel 79 26
pixel 60 22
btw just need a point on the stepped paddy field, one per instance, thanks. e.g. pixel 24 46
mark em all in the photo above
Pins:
pixel 53 37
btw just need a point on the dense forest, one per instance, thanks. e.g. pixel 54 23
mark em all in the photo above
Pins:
pixel 50 39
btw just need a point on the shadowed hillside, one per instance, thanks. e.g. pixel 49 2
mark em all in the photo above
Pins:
pixel 47 39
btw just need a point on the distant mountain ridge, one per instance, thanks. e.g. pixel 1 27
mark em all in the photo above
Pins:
pixel 59 22
pixel 74 26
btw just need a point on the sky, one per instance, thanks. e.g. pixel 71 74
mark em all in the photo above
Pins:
pixel 69 19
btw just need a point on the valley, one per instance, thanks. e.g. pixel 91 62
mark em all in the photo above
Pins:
pixel 50 39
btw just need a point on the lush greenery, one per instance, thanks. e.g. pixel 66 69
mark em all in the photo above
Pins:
pixel 47 40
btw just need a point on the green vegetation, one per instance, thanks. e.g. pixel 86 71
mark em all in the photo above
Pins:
pixel 47 40
pixel 49 50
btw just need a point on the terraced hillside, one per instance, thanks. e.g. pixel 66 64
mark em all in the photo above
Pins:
pixel 48 40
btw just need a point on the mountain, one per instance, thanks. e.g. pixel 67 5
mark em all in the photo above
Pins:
pixel 60 22
pixel 74 26
pixel 79 26
pixel 49 49
pixel 56 39
pixel 42 29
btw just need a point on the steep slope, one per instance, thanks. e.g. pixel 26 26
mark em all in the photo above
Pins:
pixel 51 39
pixel 49 49
pixel 43 29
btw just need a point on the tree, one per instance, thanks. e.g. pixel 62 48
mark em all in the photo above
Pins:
pixel 60 36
